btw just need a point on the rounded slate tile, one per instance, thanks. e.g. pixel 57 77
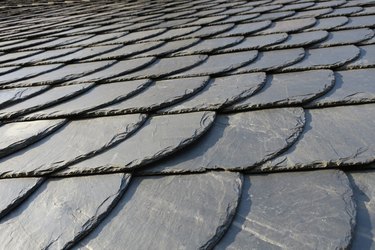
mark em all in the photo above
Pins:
pixel 288 89
pixel 296 6
pixel 327 4
pixel 220 92
pixel 134 37
pixel 265 8
pixel 288 26
pixel 300 40
pixel 96 39
pixel 366 58
pixel 343 11
pixel 245 29
pixel 273 16
pixel 75 141
pixel 333 137
pixel 11 56
pixel 170 220
pixel 346 37
pixel 300 210
pixel 173 34
pixel 237 142
pixel 359 22
pixel 208 31
pixel 309 13
pixel 169 47
pixel 63 209
pixel 14 95
pixel 237 18
pixel 328 23
pixel 62 41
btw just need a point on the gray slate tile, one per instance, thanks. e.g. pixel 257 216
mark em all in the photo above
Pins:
pixel 333 137
pixel 328 23
pixel 209 31
pixel 346 37
pixel 96 39
pixel 172 222
pixel 62 41
pixel 359 22
pixel 288 26
pixel 96 97
pixel 160 137
pixel 256 42
pixel 134 37
pixel 296 6
pixel 173 33
pixel 366 58
pixel 238 141
pixel 349 89
pixel 26 44
pixel 327 4
pixel 265 8
pixel 301 210
pixel 325 58
pixel 300 40
pixel 11 56
pixel 273 60
pixel 310 13
pixel 273 16
pixel 64 210
pixel 288 89
pixel 169 47
pixel 160 94
pixel 221 92
pixel 15 191
pixel 76 141
pixel 220 63
pixel 245 29
pixel 164 67
pixel 14 95
pixel 343 11
pixel 237 18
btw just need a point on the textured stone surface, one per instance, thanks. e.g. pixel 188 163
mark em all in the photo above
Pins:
pixel 345 37
pixel 161 136
pixel 64 209
pixel 46 99
pixel 274 129
pixel 221 92
pixel 326 141
pixel 325 58
pixel 160 94
pixel 365 59
pixel 302 210
pixel 359 22
pixel 11 96
pixel 76 141
pixel 349 89
pixel 288 89
pixel 329 23
pixel 174 33
pixel 300 39
pixel 194 220
pixel 246 29
pixel 134 36
pixel 170 47
pixel 209 31
pixel 288 26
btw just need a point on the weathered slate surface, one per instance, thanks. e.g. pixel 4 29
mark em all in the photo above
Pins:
pixel 11 96
pixel 301 210
pixel 194 220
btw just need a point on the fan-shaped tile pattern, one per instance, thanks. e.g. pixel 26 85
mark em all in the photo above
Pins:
pixel 170 224
pixel 301 210
pixel 258 136
pixel 64 209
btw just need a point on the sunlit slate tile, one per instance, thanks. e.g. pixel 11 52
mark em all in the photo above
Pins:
pixel 160 94
pixel 300 40
pixel 17 135
pixel 366 58
pixel 343 11
pixel 169 47
pixel 300 210
pixel 238 18
pixel 75 141
pixel 24 73
pixel 45 99
pixel 329 23
pixel 209 45
pixel 288 26
pixel 327 143
pixel 288 89
pixel 62 41
pixel 97 39
pixel 264 8
pixel 257 136
pixel 349 89
pixel 96 97
pixel 14 191
pixel 207 11
pixel 26 44
pixel 9 42
pixel 309 13
pixel 11 56
pixel 327 4
pixel 296 6
pixel 358 3
pixel 258 3
pixel 165 67
pixel 205 20
pixel 325 58
pixel 346 37
pixel 359 22
pixel 173 33
pixel 220 63
pixel 64 209
pixel 209 31
pixel 237 10
pixel 161 136
pixel 134 36
pixel 272 60
pixel 197 219
pixel 221 92
pixel 246 29
pixel 273 16
pixel 365 11
pixel 76 31
pixel 149 24
pixel 14 95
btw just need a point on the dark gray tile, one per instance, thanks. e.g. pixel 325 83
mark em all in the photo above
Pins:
pixel 327 4
pixel 363 189
pixel 343 11
pixel 273 60
pixel 165 67
pixel 14 95
pixel 366 58
pixel 325 58
pixel 167 24
pixel 61 212
pixel 358 3
pixel 246 29
pixel 257 136
pixel 328 23
pixel 134 37
pixel 221 92
pixel 209 31
pixel 265 8
pixel 352 86
pixel 310 13
pixel 173 33
pixel 288 26
pixel 365 11
pixel 273 16
pixel 237 10
pixel 359 22
pixel 346 37
pixel 206 20
pixel 76 141
pixel 169 47
pixel 301 210
pixel 96 97
pixel 333 137
pixel 300 40
pixel 158 95
pixel 14 191
pixel 62 41
pixel 160 136
pixel 296 6
pixel 237 18
pixel 288 89
pixel 209 45
pixel 45 99
pixel 96 39
pixel 369 41
pixel 211 198
pixel 220 63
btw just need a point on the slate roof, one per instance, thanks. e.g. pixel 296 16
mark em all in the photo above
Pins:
pixel 187 124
